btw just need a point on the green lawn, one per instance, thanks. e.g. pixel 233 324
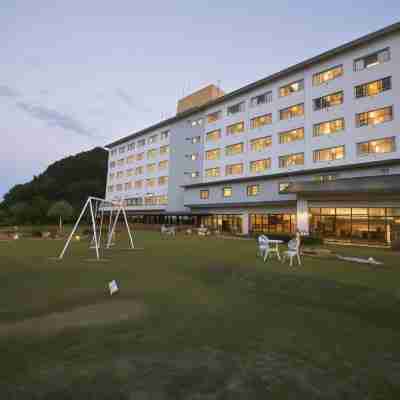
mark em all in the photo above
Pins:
pixel 196 318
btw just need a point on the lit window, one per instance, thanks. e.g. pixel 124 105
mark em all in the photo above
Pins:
pixel 151 168
pixel 329 100
pixel 213 154
pixel 138 184
pixel 134 201
pixel 235 128
pixel 260 121
pixel 328 127
pixel 235 108
pixel 373 88
pixel 234 149
pixel 150 200
pixel 378 146
pixel 283 187
pixel 324 178
pixel 227 191
pixel 162 180
pixel 331 154
pixel 130 159
pixel 291 160
pixel 260 144
pixel 139 156
pixel 291 136
pixel 213 136
pixel 129 172
pixel 253 190
pixel 212 172
pixel 261 99
pixel 151 154
pixel 260 165
pixel 164 150
pixel 291 88
pixel 327 75
pixel 292 112
pixel 213 117
pixel 234 169
pixel 194 174
pixel 371 60
pixel 204 194
pixel 151 182
pixel 162 200
pixel 163 165
pixel 374 117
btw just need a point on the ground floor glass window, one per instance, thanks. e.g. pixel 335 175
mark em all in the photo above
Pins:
pixel 354 224
pixel 272 223
pixel 223 222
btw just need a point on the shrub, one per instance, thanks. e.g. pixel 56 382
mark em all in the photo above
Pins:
pixel 311 240
pixel 396 245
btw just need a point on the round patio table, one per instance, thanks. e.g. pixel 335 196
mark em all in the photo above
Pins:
pixel 274 248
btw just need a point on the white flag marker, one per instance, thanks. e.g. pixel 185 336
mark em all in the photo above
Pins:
pixel 113 287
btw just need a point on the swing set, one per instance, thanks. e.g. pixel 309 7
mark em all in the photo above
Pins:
pixel 103 236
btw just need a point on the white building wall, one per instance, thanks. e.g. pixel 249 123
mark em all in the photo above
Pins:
pixel 181 166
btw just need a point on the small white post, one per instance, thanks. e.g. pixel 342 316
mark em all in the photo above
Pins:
pixel 73 230
pixel 94 229
pixel 127 227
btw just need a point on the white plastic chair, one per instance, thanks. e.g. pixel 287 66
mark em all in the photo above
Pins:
pixel 293 251
pixel 263 245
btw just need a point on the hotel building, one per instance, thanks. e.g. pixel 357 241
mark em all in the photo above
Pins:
pixel 315 147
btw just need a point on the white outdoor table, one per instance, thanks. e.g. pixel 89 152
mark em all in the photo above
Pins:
pixel 274 248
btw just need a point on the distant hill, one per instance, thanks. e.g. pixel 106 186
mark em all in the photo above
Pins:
pixel 72 179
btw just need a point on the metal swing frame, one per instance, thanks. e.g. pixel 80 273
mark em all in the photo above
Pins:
pixel 101 204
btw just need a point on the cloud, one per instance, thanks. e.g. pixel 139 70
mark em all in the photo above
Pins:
pixel 6 91
pixel 55 118
pixel 129 101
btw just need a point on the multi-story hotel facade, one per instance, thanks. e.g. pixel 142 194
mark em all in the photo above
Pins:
pixel 315 147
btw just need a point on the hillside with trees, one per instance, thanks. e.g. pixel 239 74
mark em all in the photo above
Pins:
pixel 70 180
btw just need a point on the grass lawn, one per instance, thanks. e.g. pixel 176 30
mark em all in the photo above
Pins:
pixel 196 318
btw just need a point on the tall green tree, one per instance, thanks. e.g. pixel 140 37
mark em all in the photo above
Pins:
pixel 22 212
pixel 61 210
pixel 73 179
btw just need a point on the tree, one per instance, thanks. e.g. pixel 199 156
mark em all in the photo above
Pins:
pixel 61 209
pixel 40 208
pixel 3 216
pixel 21 211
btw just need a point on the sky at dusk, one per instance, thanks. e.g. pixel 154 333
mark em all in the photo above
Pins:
pixel 79 74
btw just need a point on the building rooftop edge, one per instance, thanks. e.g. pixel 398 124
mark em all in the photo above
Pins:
pixel 277 75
